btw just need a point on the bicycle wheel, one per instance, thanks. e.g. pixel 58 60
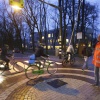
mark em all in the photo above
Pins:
pixel 72 61
pixel 52 68
pixel 64 62
pixel 31 72
pixel 19 66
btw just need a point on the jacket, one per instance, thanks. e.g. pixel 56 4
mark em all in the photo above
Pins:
pixel 96 56
pixel 87 51
pixel 84 51
pixel 70 49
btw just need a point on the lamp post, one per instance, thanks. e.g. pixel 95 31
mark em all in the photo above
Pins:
pixel 20 4
pixel 60 31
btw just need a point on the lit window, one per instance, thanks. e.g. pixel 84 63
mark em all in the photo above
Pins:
pixel 58 40
pixel 67 40
pixel 42 37
pixel 49 35
pixel 49 47
pixel 50 41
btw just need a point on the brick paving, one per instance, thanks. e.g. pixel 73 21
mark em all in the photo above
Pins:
pixel 79 87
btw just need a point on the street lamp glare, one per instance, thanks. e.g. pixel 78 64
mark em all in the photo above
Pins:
pixel 16 7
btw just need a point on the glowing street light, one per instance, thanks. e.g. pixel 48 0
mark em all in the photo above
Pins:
pixel 18 4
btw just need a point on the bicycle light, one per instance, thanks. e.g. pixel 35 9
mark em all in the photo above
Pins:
pixel 2 66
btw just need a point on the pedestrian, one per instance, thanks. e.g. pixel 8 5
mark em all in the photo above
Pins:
pixel 85 56
pixel 70 51
pixel 86 53
pixel 96 61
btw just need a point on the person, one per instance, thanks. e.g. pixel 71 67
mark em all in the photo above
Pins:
pixel 3 54
pixel 96 61
pixel 40 51
pixel 85 55
pixel 70 51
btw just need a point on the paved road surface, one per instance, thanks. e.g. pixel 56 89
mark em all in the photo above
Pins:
pixel 71 84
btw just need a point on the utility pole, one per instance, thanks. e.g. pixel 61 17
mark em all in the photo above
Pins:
pixel 60 30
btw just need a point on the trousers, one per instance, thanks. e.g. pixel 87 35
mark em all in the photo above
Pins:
pixel 85 62
pixel 96 70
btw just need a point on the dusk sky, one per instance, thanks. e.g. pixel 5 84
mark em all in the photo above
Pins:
pixel 94 2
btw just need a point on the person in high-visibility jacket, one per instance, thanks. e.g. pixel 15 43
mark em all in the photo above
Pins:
pixel 96 61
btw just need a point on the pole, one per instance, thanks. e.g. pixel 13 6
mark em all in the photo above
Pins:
pixel 76 20
pixel 60 33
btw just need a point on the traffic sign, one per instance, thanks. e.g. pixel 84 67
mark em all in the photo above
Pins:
pixel 79 35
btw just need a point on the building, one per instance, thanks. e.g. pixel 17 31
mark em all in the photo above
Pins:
pixel 51 39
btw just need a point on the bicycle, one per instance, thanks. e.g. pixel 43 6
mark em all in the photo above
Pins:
pixel 17 66
pixel 37 68
pixel 68 59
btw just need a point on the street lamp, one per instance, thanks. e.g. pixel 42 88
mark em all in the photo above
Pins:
pixel 13 2
pixel 17 3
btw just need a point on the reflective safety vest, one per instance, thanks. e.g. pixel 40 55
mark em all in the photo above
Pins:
pixel 96 56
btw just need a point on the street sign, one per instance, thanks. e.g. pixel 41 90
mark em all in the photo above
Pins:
pixel 19 3
pixel 79 35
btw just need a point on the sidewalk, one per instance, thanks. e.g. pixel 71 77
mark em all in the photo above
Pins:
pixel 69 83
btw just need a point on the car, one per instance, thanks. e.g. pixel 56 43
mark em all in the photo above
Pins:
pixel 16 50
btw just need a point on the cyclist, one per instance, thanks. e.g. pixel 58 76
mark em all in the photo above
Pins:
pixel 38 53
pixel 3 54
pixel 70 52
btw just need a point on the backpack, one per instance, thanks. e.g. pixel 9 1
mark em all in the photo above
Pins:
pixel 32 59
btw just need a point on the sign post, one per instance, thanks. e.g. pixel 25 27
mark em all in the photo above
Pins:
pixel 79 35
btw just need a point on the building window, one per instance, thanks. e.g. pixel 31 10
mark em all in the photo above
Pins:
pixel 49 35
pixel 67 40
pixel 51 41
pixel 48 41
pixel 52 34
pixel 42 37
